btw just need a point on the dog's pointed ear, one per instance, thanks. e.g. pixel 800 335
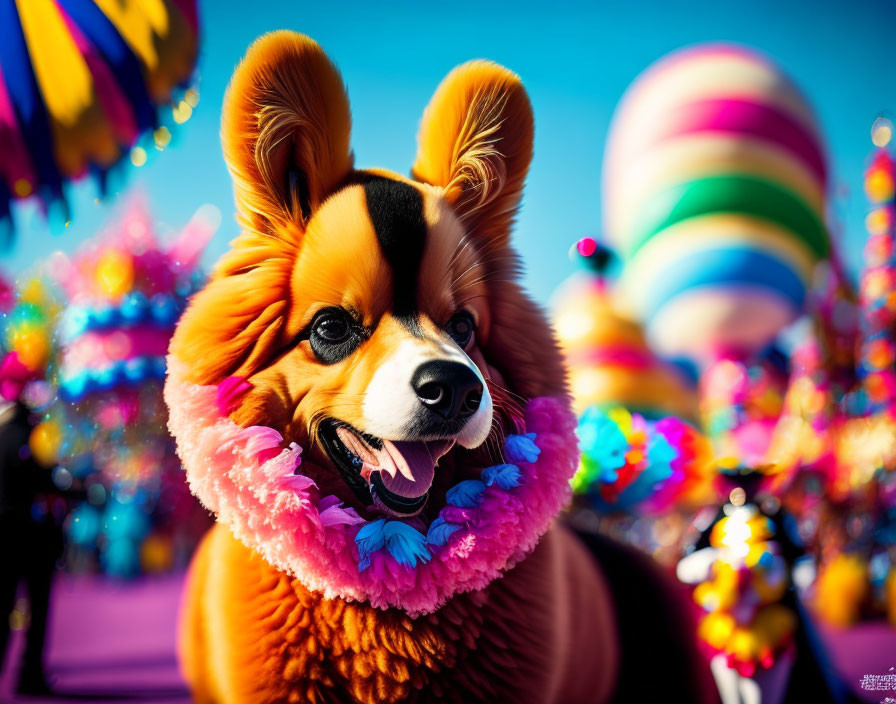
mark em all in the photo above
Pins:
pixel 285 131
pixel 475 143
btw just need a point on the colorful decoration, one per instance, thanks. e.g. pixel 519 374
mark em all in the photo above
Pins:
pixel 714 186
pixel 7 294
pixel 804 437
pixel 742 577
pixel 126 291
pixel 804 443
pixel 80 86
pixel 741 404
pixel 877 367
pixel 821 425
pixel 863 436
pixel 31 324
pixel 840 590
pixel 45 442
pixel 836 439
pixel 631 464
pixel 608 358
pixel 30 318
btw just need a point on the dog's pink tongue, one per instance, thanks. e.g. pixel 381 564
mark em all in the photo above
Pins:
pixel 400 460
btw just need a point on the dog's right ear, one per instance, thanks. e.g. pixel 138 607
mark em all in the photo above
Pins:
pixel 285 132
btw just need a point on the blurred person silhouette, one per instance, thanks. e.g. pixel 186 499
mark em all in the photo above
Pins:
pixel 765 648
pixel 30 536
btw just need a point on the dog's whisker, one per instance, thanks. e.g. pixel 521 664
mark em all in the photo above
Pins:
pixel 490 277
pixel 480 263
pixel 465 242
pixel 507 391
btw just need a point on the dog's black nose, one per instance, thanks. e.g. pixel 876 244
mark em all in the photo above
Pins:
pixel 451 390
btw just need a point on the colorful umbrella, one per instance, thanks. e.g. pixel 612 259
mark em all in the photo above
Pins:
pixel 80 82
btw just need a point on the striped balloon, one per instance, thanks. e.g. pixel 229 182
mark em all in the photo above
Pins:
pixel 80 81
pixel 714 194
pixel 608 359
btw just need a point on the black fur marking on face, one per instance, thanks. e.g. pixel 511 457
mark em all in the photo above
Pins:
pixel 396 211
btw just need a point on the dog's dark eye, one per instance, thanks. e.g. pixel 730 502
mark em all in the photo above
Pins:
pixel 460 328
pixel 332 329
pixel 334 335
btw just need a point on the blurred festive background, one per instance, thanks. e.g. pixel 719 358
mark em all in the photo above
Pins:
pixel 709 218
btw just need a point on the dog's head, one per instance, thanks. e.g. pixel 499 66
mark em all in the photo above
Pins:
pixel 377 318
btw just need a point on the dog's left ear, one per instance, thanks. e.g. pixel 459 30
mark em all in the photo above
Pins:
pixel 475 142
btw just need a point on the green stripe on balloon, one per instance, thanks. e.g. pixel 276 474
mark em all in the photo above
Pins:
pixel 730 194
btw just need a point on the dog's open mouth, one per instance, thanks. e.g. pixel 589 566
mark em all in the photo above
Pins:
pixel 396 475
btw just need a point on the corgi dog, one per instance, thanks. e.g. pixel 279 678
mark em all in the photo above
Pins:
pixel 376 413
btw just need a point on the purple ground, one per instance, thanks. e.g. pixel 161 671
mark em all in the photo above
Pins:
pixel 113 641
pixel 867 649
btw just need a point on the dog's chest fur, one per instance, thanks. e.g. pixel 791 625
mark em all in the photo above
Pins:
pixel 542 633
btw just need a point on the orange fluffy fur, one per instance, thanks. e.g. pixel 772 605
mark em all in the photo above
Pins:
pixel 544 633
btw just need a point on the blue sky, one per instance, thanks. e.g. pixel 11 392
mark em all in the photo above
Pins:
pixel 575 59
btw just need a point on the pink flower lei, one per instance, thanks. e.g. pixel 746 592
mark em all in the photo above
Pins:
pixel 249 479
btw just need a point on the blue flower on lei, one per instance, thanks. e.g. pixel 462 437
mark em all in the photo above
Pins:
pixel 405 543
pixel 467 494
pixel 440 530
pixel 521 448
pixel 408 545
pixel 506 476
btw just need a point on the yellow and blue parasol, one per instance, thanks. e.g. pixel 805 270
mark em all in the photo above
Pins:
pixel 80 83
